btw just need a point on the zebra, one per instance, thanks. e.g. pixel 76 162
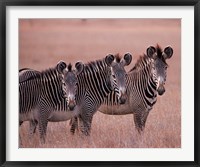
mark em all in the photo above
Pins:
pixel 47 95
pixel 144 81
pixel 98 79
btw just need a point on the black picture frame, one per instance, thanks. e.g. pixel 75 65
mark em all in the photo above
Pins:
pixel 5 3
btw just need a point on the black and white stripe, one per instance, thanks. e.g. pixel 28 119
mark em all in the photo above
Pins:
pixel 144 81
pixel 98 79
pixel 43 96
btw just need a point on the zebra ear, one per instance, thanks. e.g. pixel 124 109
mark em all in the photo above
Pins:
pixel 151 52
pixel 168 52
pixel 61 66
pixel 109 59
pixel 79 67
pixel 127 58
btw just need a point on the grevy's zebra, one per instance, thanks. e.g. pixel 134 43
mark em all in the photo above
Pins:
pixel 45 96
pixel 97 80
pixel 144 81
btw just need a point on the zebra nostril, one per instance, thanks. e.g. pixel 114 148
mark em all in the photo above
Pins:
pixel 71 104
pixel 161 90
pixel 71 107
pixel 123 99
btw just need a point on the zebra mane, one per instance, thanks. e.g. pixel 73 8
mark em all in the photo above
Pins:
pixel 117 57
pixel 159 53
pixel 69 67
pixel 100 63
pixel 95 65
pixel 31 74
pixel 50 75
pixel 142 59
pixel 48 71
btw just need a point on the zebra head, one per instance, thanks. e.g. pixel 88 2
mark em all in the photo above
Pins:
pixel 159 65
pixel 118 76
pixel 68 77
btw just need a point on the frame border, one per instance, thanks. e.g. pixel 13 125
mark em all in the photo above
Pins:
pixel 5 3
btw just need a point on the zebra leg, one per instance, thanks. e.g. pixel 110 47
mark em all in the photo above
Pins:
pixel 20 123
pixel 42 129
pixel 140 120
pixel 81 124
pixel 74 125
pixel 85 124
pixel 43 121
pixel 144 118
pixel 20 140
pixel 32 129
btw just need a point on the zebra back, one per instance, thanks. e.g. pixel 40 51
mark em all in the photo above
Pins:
pixel 27 74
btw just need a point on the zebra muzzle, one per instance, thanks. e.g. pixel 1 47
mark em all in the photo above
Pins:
pixel 122 98
pixel 161 90
pixel 71 104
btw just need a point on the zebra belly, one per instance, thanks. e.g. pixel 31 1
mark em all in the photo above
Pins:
pixel 30 115
pixel 130 107
pixel 115 109
pixel 57 116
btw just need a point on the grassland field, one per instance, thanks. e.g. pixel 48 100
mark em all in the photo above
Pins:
pixel 43 43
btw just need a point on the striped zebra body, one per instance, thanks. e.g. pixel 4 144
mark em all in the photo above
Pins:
pixel 144 81
pixel 43 97
pixel 97 80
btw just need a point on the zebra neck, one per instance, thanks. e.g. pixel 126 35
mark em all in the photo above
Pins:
pixel 149 87
pixel 52 87
pixel 95 81
pixel 150 90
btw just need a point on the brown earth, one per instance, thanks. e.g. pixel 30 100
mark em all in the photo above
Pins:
pixel 44 42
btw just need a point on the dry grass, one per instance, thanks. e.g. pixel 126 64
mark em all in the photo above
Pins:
pixel 162 131
pixel 73 40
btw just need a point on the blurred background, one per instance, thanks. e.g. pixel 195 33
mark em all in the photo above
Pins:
pixel 44 42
